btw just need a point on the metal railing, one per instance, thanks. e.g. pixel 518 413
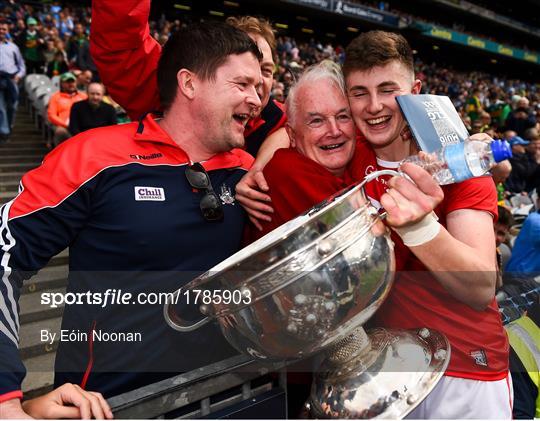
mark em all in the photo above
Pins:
pixel 204 391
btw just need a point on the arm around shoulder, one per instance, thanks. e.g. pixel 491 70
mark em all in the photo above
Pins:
pixel 277 140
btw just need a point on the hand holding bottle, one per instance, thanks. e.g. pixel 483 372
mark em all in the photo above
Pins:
pixel 460 161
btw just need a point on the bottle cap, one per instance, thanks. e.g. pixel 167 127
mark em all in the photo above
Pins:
pixel 501 150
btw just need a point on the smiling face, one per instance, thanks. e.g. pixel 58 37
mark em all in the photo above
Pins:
pixel 267 69
pixel 225 103
pixel 322 128
pixel 372 95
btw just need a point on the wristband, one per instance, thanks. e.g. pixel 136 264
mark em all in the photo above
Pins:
pixel 420 232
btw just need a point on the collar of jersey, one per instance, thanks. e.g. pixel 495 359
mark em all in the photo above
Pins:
pixel 150 131
pixel 253 125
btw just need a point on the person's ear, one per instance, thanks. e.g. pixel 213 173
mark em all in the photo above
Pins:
pixel 290 133
pixel 186 83
pixel 417 87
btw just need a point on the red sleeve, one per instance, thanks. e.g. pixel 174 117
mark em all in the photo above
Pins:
pixel 16 394
pixel 476 193
pixel 125 54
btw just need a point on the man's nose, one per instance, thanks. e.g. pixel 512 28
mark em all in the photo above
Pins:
pixel 333 127
pixel 253 98
pixel 374 105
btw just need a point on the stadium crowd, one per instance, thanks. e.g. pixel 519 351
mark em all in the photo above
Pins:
pixel 55 41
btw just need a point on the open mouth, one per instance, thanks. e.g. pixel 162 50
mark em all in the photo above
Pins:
pixel 332 147
pixel 379 121
pixel 241 118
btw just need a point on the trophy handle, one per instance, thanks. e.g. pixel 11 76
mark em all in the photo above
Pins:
pixel 176 322
pixel 367 179
pixel 372 176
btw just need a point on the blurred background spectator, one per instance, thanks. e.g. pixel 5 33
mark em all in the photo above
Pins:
pixel 60 107
pixel 92 112
pixel 30 43
pixel 526 251
pixel 84 77
pixel 57 65
pixel 12 70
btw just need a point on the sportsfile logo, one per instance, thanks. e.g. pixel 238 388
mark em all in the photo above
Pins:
pixel 154 194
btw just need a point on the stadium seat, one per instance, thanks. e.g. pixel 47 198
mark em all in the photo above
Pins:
pixel 41 112
pixel 56 81
pixel 29 81
pixel 37 92
pixel 34 86
pixel 33 89
pixel 32 78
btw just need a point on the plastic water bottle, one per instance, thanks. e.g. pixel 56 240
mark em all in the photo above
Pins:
pixel 460 161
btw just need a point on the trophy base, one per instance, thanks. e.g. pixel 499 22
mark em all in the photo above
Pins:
pixel 385 374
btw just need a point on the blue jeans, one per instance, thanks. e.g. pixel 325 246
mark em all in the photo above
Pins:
pixel 9 97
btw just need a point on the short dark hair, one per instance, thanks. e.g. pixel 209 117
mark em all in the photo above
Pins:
pixel 505 217
pixel 377 48
pixel 201 48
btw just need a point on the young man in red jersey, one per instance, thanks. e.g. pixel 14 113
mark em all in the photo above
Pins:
pixel 446 267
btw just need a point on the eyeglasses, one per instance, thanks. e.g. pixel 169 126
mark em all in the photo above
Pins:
pixel 210 203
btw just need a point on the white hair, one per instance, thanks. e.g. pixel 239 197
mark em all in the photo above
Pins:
pixel 325 70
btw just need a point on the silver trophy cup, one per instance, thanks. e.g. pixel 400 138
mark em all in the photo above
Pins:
pixel 309 286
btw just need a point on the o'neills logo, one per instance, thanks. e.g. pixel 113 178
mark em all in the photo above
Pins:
pixel 156 194
pixel 479 357
pixel 144 157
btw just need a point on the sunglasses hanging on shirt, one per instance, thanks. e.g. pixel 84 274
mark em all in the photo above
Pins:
pixel 210 204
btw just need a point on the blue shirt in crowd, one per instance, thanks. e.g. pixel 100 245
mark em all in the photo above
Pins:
pixel 11 60
pixel 526 252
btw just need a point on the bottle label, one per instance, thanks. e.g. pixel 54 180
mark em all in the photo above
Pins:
pixel 457 162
